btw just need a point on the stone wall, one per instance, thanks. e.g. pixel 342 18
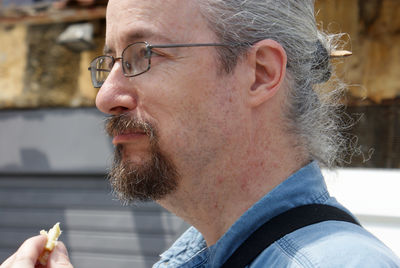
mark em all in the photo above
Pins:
pixel 35 71
pixel 374 38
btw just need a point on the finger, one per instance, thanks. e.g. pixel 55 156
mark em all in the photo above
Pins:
pixel 8 261
pixel 27 254
pixel 59 257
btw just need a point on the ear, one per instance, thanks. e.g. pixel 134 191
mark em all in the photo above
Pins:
pixel 268 60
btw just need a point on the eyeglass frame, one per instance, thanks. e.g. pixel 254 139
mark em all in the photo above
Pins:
pixel 149 48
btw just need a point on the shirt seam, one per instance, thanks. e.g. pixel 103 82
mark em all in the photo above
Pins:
pixel 291 249
pixel 280 246
pixel 321 198
pixel 197 254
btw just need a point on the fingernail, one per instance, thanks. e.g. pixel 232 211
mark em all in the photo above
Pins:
pixel 60 255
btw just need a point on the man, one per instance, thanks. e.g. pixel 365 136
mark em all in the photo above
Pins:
pixel 227 129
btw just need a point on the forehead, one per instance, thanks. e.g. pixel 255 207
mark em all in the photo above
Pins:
pixel 155 20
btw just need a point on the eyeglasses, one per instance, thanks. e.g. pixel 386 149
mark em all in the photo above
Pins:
pixel 135 59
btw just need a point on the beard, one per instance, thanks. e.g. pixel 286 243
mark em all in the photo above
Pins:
pixel 151 180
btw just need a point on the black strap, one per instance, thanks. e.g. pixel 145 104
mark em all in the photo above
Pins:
pixel 281 225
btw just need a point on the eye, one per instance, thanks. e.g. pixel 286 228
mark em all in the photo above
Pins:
pixel 143 53
pixel 146 53
pixel 128 66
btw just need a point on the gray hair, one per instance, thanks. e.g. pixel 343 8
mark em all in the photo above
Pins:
pixel 312 110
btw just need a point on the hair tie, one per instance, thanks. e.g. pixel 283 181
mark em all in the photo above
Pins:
pixel 321 63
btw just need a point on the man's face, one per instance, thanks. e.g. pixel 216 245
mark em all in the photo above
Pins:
pixel 183 99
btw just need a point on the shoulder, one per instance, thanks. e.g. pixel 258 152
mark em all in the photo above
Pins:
pixel 328 244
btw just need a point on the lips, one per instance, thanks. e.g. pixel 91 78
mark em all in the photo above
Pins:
pixel 126 129
pixel 128 137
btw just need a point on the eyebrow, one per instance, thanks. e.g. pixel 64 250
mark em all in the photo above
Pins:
pixel 106 50
pixel 140 35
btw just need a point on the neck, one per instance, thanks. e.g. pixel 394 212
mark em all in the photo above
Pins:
pixel 225 193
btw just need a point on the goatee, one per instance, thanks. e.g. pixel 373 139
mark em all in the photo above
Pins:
pixel 151 180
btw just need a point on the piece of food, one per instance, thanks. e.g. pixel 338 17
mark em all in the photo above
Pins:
pixel 52 237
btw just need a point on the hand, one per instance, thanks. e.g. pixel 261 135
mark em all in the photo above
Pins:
pixel 27 255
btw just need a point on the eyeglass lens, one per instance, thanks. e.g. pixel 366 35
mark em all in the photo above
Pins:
pixel 100 68
pixel 135 61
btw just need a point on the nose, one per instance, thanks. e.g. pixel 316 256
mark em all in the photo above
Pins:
pixel 117 95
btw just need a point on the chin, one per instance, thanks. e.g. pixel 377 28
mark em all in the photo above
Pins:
pixel 140 173
pixel 151 177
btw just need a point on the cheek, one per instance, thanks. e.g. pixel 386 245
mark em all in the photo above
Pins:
pixel 197 114
pixel 204 128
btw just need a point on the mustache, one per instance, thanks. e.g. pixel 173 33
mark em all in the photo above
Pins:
pixel 124 123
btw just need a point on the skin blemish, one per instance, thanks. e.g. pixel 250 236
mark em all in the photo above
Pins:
pixel 215 205
pixel 244 184
pixel 219 180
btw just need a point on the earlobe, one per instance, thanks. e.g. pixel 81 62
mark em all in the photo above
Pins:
pixel 269 63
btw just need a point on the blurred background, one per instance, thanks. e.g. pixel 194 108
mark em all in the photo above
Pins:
pixel 54 153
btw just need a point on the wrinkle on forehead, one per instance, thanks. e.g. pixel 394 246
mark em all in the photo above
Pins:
pixel 176 21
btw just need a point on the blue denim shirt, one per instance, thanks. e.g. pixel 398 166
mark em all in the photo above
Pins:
pixel 326 244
